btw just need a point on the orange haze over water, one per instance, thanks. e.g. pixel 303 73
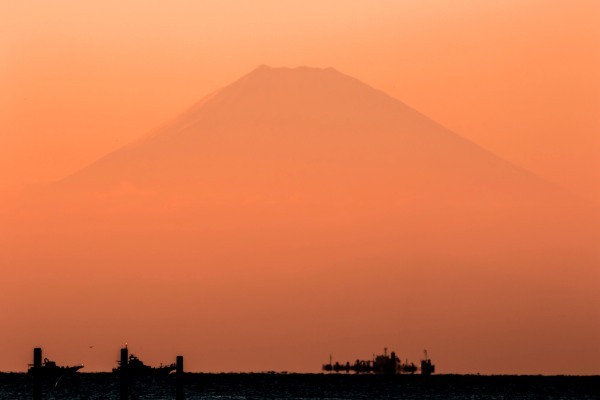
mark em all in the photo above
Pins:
pixel 294 213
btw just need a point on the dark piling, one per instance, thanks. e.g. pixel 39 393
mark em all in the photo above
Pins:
pixel 37 373
pixel 179 379
pixel 123 375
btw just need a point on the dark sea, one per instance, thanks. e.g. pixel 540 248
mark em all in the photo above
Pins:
pixel 308 386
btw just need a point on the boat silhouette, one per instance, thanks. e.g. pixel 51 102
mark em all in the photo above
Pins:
pixel 135 367
pixel 49 368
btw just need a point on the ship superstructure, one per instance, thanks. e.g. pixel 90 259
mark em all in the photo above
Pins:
pixel 135 367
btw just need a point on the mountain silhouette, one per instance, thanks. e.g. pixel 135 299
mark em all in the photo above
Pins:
pixel 313 134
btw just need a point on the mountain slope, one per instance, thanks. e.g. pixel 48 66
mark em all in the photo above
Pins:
pixel 308 132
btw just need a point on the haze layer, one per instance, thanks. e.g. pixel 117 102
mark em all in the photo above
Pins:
pixel 297 213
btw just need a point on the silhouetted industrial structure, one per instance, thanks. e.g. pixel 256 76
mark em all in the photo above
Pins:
pixel 129 367
pixel 427 368
pixel 382 364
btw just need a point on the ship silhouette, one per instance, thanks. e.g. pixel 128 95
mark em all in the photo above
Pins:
pixel 135 367
pixel 382 364
pixel 50 369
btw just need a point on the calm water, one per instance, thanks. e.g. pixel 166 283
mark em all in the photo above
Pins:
pixel 311 386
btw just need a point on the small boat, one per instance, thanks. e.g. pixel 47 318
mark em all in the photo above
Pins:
pixel 135 367
pixel 49 368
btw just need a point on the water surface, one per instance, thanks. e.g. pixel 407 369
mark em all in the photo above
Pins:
pixel 105 386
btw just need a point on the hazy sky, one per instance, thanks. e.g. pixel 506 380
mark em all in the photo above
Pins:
pixel 266 280
pixel 520 78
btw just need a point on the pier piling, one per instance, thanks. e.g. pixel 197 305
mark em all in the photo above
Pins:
pixel 37 372
pixel 124 376
pixel 179 378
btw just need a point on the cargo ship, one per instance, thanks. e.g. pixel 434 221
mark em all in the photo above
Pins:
pixel 382 364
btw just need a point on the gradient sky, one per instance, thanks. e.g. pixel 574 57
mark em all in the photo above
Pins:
pixel 519 78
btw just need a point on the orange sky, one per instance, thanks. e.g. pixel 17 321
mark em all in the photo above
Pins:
pixel 519 78
pixel 267 281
